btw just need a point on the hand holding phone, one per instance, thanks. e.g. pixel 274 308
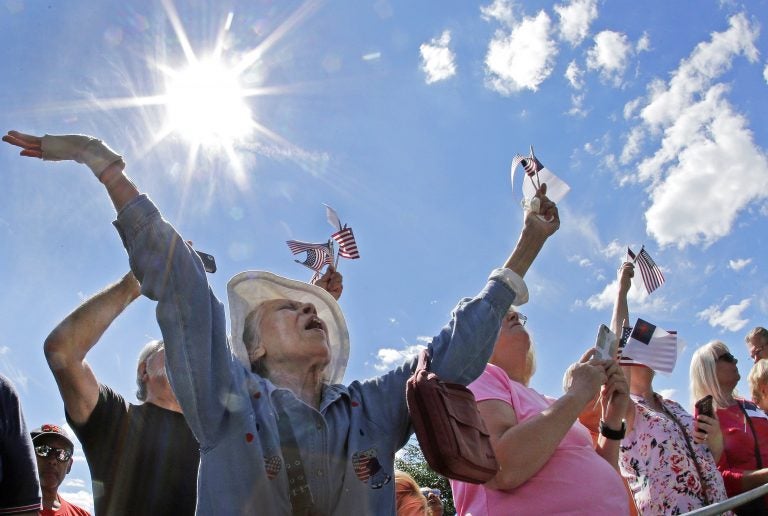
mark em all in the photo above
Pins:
pixel 704 406
pixel 606 343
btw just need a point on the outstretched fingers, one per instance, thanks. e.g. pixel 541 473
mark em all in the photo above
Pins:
pixel 31 145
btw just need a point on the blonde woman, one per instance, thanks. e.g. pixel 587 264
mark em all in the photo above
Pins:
pixel 758 383
pixel 408 497
pixel 744 426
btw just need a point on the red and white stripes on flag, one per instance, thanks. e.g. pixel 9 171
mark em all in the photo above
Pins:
pixel 347 244
pixel 651 346
pixel 649 271
pixel 318 255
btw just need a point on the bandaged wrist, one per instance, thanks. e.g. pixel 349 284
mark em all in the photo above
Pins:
pixel 81 148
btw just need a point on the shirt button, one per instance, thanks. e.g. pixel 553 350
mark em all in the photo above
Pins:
pixel 319 473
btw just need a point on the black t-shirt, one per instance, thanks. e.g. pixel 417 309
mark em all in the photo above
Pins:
pixel 143 458
pixel 19 487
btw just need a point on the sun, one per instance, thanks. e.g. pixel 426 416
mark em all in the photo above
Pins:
pixel 206 104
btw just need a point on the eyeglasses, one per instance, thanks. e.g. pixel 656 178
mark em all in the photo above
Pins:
pixel 61 454
pixel 522 318
pixel 728 358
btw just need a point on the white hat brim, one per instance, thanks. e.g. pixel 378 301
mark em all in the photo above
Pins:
pixel 249 289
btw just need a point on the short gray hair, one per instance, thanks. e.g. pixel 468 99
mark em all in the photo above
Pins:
pixel 251 337
pixel 149 349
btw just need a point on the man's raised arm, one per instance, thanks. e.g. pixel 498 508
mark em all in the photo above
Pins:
pixel 69 343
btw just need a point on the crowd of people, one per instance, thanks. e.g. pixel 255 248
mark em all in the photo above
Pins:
pixel 258 421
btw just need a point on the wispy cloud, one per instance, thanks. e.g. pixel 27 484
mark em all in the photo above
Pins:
pixel 727 318
pixel 575 75
pixel 693 200
pixel 372 56
pixel 739 263
pixel 437 59
pixel 520 57
pixel 609 56
pixel 643 44
pixel 388 358
pixel 575 19
pixel 765 73
pixel 637 297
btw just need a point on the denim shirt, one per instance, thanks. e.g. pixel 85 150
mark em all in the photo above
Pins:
pixel 347 446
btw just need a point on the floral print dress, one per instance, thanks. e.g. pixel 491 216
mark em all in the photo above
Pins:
pixel 654 459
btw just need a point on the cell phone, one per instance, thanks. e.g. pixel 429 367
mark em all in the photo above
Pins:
pixel 606 343
pixel 209 264
pixel 704 406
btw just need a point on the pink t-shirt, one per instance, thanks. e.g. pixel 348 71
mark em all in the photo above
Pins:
pixel 575 480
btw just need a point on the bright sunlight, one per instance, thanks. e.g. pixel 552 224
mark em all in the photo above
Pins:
pixel 206 104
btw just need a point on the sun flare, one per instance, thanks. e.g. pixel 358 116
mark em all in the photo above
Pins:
pixel 206 104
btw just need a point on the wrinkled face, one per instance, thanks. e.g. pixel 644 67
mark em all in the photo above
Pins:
pixel 290 330
pixel 758 348
pixel 51 471
pixel 512 345
pixel 726 371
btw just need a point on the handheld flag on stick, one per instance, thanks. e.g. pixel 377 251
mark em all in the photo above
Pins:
pixel 649 271
pixel 651 346
pixel 556 187
pixel 318 255
pixel 347 244
pixel 344 236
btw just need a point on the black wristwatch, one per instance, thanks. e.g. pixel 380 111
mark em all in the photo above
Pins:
pixel 614 435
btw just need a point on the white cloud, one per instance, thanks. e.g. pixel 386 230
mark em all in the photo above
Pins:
pixel 631 107
pixel 575 75
pixel 668 394
pixel 437 60
pixel 727 318
pixel 372 56
pixel 580 260
pixel 575 19
pixel 80 498
pixel 739 263
pixel 388 358
pixel 614 249
pixel 577 106
pixel 609 56
pixel 520 59
pixel 632 146
pixel 502 11
pixel 637 298
pixel 715 171
pixel 707 167
pixel 74 482
pixel 765 73
pixel 643 44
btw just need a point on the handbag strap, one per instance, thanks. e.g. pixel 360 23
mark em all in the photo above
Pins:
pixel 298 488
pixel 689 446
pixel 758 456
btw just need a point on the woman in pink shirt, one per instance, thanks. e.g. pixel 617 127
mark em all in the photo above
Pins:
pixel 548 463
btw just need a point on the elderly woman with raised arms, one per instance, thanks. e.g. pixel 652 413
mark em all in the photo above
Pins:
pixel 278 432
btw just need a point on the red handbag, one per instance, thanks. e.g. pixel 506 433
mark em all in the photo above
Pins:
pixel 450 430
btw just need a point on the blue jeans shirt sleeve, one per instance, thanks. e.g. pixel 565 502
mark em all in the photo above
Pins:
pixel 191 318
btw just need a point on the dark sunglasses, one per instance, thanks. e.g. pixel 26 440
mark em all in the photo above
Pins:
pixel 728 358
pixel 61 454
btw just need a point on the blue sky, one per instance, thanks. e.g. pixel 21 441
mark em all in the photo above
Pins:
pixel 404 117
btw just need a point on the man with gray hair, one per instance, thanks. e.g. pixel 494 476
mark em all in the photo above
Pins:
pixel 143 458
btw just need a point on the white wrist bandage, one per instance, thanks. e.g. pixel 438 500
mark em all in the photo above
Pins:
pixel 84 149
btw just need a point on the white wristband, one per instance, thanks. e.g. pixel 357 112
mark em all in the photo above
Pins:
pixel 81 148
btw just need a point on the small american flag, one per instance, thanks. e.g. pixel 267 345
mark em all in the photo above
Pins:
pixel 626 331
pixel 347 244
pixel 649 271
pixel 317 258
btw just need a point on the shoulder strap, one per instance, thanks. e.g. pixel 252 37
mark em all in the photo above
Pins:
pixel 691 452
pixel 298 488
pixel 758 456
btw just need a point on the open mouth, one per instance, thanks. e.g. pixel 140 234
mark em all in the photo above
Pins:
pixel 314 324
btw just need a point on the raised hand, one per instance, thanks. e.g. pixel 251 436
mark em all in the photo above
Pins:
pixel 331 281
pixel 77 147
pixel 625 273
pixel 542 215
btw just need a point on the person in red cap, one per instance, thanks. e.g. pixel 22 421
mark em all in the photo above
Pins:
pixel 54 449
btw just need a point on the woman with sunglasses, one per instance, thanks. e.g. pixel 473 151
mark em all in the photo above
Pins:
pixel 743 424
